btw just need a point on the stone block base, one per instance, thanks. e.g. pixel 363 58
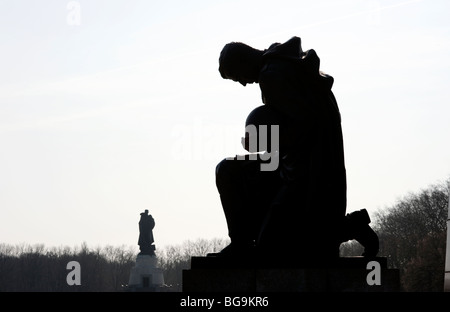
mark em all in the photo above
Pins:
pixel 350 274
pixel 145 276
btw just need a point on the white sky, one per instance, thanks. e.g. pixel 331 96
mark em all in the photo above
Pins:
pixel 108 108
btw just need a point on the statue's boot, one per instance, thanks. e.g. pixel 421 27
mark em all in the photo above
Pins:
pixel 358 228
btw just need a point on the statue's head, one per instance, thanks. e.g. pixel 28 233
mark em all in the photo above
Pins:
pixel 240 62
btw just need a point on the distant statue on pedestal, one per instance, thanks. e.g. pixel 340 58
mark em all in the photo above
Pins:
pixel 145 242
pixel 145 275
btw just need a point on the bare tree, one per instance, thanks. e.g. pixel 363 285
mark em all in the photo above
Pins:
pixel 412 233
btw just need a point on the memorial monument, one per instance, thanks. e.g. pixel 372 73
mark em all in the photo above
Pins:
pixel 145 275
pixel 285 202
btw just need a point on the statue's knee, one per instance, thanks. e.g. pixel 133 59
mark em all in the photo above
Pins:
pixel 225 170
pixel 224 167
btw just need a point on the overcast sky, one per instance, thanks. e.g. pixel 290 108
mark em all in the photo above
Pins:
pixel 108 108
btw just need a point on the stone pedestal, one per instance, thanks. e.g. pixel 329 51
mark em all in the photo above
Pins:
pixel 349 274
pixel 145 276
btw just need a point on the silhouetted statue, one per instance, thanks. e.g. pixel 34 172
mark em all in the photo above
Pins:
pixel 145 242
pixel 298 209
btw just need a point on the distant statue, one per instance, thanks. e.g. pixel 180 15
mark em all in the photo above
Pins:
pixel 145 242
pixel 298 209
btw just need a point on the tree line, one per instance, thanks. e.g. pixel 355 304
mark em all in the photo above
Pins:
pixel 412 235
pixel 36 268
